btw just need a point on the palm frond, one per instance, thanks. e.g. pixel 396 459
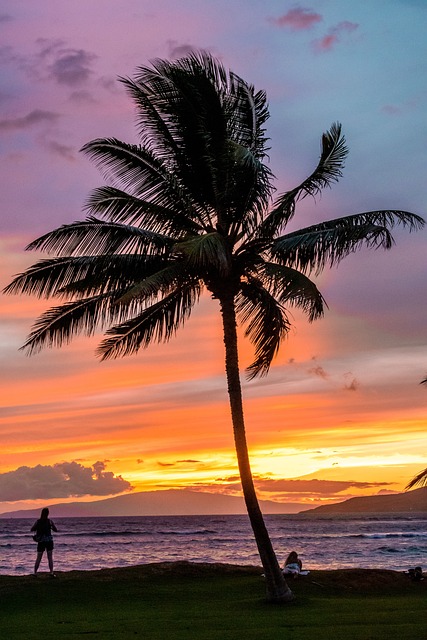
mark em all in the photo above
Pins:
pixel 85 276
pixel 158 282
pixel 419 480
pixel 46 277
pixel 186 95
pixel 120 207
pixel 98 237
pixel 329 170
pixel 329 242
pixel 250 191
pixel 157 323
pixel 153 129
pixel 206 111
pixel 293 288
pixel 113 274
pixel 247 112
pixel 58 325
pixel 249 195
pixel 139 170
pixel 205 252
pixel 267 324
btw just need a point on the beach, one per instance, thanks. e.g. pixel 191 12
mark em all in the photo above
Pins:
pixel 212 601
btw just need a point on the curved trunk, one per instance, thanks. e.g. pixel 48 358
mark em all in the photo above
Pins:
pixel 277 589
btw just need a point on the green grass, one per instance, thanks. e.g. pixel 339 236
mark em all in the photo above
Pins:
pixel 208 602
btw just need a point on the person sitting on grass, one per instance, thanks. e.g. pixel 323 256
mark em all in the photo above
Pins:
pixel 293 564
pixel 416 574
pixel 43 528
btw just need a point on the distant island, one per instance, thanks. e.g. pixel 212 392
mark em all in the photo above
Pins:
pixel 168 502
pixel 415 500
pixel 175 502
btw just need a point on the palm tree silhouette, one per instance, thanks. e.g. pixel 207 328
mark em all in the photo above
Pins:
pixel 421 478
pixel 191 209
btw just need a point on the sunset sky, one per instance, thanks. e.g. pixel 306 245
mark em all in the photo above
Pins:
pixel 342 412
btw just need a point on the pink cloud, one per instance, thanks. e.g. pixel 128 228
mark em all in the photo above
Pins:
pixel 326 43
pixel 392 110
pixel 399 110
pixel 34 117
pixel 334 36
pixel 298 19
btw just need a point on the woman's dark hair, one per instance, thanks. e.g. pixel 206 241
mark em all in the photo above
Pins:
pixel 44 514
pixel 292 557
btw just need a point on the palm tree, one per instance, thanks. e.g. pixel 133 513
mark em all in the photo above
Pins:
pixel 421 478
pixel 191 209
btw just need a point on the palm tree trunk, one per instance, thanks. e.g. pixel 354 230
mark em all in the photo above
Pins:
pixel 277 589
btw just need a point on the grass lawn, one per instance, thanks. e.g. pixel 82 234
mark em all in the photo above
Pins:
pixel 177 601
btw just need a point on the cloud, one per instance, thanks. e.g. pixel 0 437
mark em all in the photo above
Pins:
pixel 318 371
pixel 52 60
pixel 392 110
pixel 351 383
pixel 334 36
pixel 33 118
pixel 72 66
pixel 400 110
pixel 314 487
pixel 61 480
pixel 60 150
pixel 285 490
pixel 110 84
pixel 176 50
pixel 82 97
pixel 298 19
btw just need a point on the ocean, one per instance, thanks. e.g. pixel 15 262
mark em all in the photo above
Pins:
pixel 386 541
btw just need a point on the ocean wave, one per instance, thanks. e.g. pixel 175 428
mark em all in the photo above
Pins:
pixel 187 532
pixel 138 533
pixel 396 534
pixel 405 550
pixel 368 536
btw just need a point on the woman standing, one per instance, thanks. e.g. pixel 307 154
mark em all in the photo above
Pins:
pixel 43 528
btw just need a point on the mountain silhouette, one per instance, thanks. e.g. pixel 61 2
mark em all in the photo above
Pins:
pixel 169 502
pixel 415 500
